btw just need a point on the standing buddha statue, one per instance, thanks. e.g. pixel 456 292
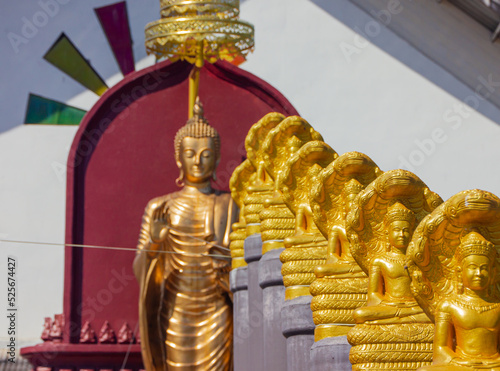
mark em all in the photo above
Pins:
pixel 182 262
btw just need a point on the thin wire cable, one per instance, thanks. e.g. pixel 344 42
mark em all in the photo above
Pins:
pixel 119 248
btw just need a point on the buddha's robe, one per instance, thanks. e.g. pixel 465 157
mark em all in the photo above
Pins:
pixel 185 311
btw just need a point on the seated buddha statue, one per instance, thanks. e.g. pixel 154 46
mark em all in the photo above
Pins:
pixel 392 331
pixel 390 300
pixel 340 284
pixel 339 260
pixel 468 323
pixel 182 264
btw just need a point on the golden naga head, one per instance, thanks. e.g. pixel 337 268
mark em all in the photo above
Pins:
pixel 284 140
pixel 197 149
pixel 258 133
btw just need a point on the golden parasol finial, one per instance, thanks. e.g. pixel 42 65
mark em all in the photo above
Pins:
pixel 199 30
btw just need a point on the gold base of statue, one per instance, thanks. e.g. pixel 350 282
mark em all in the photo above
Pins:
pixel 398 366
pixel 238 263
pixel 253 228
pixel 398 347
pixel 299 262
pixel 253 206
pixel 271 245
pixel 296 291
pixel 328 331
pixel 277 223
pixel 334 301
pixel 237 238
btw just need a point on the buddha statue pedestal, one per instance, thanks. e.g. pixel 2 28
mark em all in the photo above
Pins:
pixel 333 303
pixel 405 346
pixel 253 254
pixel 277 222
pixel 273 295
pixel 298 327
pixel 331 354
pixel 238 281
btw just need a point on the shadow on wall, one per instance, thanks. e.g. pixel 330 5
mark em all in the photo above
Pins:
pixel 431 46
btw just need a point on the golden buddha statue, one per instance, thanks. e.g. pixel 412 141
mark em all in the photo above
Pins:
pixel 340 285
pixel 182 264
pixel 261 184
pixel 453 260
pixel 392 331
pixel 307 247
pixel 389 296
pixel 277 220
pixel 238 184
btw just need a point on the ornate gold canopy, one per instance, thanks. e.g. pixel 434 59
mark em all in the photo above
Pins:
pixel 198 30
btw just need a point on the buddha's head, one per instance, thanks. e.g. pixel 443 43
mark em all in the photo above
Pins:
pixel 475 257
pixel 399 223
pixel 197 150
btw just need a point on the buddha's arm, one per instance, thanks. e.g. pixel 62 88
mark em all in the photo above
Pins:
pixel 337 243
pixel 300 221
pixel 152 233
pixel 223 266
pixel 333 251
pixel 375 285
pixel 443 337
pixel 233 216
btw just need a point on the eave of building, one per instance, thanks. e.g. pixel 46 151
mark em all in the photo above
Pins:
pixel 449 36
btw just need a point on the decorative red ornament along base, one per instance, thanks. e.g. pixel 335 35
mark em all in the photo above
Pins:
pixel 123 156
pixel 97 357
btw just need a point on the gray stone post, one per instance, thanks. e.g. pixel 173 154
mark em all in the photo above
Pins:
pixel 331 354
pixel 238 281
pixel 271 282
pixel 298 328
pixel 253 253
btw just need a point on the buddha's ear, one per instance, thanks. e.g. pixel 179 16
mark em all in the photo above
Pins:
pixel 179 164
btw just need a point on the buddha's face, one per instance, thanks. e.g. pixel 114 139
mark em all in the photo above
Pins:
pixel 476 272
pixel 197 159
pixel 399 233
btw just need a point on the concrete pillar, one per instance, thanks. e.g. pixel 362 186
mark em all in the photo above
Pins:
pixel 253 253
pixel 331 354
pixel 271 282
pixel 238 281
pixel 298 328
